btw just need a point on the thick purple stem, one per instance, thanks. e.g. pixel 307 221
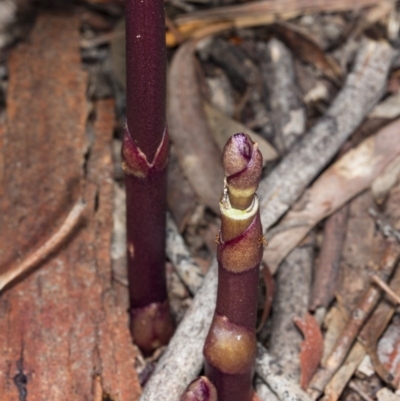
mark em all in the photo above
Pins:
pixel 145 156
pixel 146 73
pixel 146 205
pixel 230 347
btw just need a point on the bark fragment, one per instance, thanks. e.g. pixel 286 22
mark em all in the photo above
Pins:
pixel 63 340
pixel 327 271
pixel 359 315
pixel 40 254
pixel 311 348
pixel 291 301
pixel 375 327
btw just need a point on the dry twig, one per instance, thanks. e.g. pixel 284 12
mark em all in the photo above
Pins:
pixel 269 371
pixel 376 325
pixel 204 23
pixel 354 325
pixel 49 246
pixel 360 392
pixel 293 280
pixel 351 174
pixel 386 229
pixel 377 280
pixel 188 270
pixel 362 90
pixel 291 301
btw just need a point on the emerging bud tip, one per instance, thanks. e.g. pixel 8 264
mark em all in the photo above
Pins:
pixel 243 166
pixel 200 390
pixel 237 153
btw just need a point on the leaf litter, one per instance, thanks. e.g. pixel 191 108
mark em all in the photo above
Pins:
pixel 322 52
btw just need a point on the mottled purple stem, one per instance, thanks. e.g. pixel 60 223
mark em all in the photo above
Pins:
pixel 230 347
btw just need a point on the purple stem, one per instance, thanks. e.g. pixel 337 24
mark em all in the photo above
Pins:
pixel 145 156
pixel 146 73
pixel 230 347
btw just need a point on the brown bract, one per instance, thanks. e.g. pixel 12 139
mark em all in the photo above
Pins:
pixel 135 162
pixel 151 326
pixel 243 252
pixel 230 348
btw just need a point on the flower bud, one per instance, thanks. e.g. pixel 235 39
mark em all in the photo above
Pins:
pixel 243 166
pixel 200 390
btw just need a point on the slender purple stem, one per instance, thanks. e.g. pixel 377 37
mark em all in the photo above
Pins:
pixel 145 156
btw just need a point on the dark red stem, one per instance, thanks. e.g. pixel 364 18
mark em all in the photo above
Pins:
pixel 230 346
pixel 146 73
pixel 145 156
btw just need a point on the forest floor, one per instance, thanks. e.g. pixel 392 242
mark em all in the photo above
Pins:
pixel 315 82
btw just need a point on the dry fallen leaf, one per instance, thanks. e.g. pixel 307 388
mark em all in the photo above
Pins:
pixel 308 49
pixel 351 174
pixel 327 271
pixel 334 323
pixel 199 24
pixel 223 127
pixel 197 153
pixel 381 186
pixel 388 109
pixel 361 251
pixel 181 199
pixel 311 347
pixel 269 296
pixel 365 305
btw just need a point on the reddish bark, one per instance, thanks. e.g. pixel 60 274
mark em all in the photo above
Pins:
pixel 62 334
pixel 311 348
